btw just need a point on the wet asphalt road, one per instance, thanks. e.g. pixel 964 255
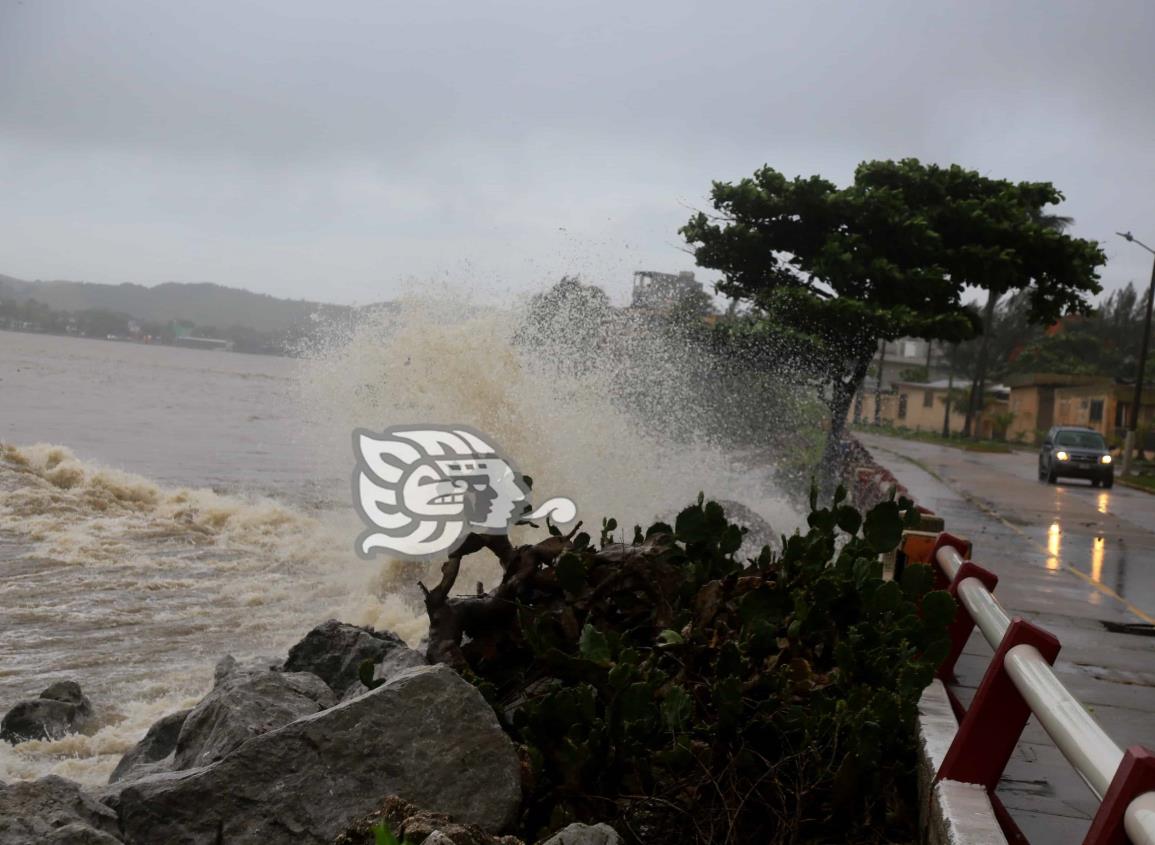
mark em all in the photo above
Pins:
pixel 1076 560
pixel 1106 537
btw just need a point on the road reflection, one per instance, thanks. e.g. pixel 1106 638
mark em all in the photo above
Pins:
pixel 1105 538
pixel 1088 555
pixel 1054 545
pixel 1098 551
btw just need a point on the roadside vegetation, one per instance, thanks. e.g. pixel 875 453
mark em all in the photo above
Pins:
pixel 1140 481
pixel 1103 342
pixel 685 690
pixel 957 441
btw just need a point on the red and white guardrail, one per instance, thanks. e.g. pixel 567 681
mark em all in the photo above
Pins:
pixel 1019 682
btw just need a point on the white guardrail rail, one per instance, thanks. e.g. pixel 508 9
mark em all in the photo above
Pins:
pixel 1092 753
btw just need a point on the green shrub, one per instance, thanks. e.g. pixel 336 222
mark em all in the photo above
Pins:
pixel 383 835
pixel 686 694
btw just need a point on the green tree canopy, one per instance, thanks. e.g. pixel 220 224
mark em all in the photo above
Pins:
pixel 1104 342
pixel 889 255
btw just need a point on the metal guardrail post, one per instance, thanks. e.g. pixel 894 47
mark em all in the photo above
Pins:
pixel 963 624
pixel 1139 819
pixel 995 720
pixel 943 577
pixel 1019 682
pixel 1135 775
pixel 1124 782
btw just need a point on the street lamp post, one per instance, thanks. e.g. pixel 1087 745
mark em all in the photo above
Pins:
pixel 1133 417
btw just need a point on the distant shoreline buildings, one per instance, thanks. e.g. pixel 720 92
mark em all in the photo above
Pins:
pixel 1018 411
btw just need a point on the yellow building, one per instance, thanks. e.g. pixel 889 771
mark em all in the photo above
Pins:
pixel 921 406
pixel 1020 412
pixel 1041 400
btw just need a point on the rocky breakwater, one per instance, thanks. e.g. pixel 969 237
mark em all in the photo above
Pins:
pixel 60 710
pixel 294 751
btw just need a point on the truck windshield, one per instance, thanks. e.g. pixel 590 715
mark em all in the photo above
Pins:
pixel 1080 439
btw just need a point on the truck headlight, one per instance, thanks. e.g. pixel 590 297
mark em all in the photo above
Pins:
pixel 1106 459
pixel 1062 456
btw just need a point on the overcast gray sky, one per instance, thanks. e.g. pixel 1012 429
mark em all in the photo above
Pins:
pixel 350 151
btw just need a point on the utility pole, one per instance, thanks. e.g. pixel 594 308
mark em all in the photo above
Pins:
pixel 1133 417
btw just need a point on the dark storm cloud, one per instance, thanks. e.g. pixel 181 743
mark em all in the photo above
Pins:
pixel 339 149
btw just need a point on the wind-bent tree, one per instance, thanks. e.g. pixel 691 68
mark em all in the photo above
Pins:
pixel 885 257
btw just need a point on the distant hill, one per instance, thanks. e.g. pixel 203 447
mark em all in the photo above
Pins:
pixel 201 303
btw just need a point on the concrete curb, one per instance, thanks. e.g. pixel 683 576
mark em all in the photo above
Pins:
pixel 952 813
pixel 868 481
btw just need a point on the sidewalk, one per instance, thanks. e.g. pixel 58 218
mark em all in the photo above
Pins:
pixel 1112 674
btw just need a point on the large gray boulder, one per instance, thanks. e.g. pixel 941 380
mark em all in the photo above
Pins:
pixel 334 651
pixel 427 735
pixel 60 710
pixel 248 699
pixel 154 753
pixel 585 834
pixel 79 834
pixel 393 663
pixel 244 705
pixel 228 666
pixel 759 532
pixel 69 692
pixel 54 810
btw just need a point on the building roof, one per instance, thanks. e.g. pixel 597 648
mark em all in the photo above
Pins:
pixel 947 384
pixel 1055 380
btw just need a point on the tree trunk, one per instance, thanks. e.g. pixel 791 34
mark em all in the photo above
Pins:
pixel 841 396
pixel 878 383
pixel 949 391
pixel 978 382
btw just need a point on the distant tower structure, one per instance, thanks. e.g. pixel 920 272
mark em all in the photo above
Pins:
pixel 662 291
